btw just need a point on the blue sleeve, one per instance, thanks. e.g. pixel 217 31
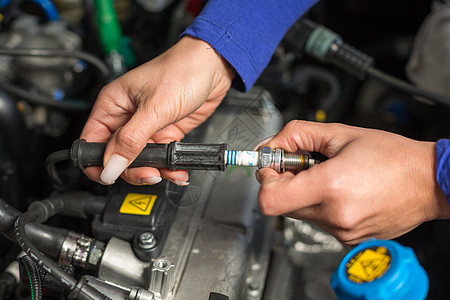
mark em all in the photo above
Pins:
pixel 246 32
pixel 443 166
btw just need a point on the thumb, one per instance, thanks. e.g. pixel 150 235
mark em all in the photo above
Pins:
pixel 126 143
pixel 325 138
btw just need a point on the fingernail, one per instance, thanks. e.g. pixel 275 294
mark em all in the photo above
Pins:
pixel 114 167
pixel 151 180
pixel 180 183
pixel 257 175
pixel 264 141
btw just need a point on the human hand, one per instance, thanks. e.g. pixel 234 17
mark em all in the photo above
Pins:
pixel 374 184
pixel 158 102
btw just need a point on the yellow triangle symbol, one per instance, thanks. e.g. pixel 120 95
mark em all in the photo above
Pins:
pixel 141 203
pixel 137 204
pixel 368 266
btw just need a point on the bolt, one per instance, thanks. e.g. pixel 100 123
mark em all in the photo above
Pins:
pixel 147 240
pixel 140 294
pixel 254 285
pixel 96 254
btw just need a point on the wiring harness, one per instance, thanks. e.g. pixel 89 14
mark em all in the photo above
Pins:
pixel 325 45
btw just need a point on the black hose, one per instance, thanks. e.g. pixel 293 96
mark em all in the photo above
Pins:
pixel 65 105
pixel 8 215
pixel 39 212
pixel 46 238
pixel 83 204
pixel 52 160
pixel 407 87
pixel 33 277
pixel 93 60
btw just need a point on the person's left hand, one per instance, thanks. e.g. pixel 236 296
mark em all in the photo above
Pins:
pixel 374 184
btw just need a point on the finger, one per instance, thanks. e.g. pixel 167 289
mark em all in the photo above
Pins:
pixel 283 193
pixel 93 173
pixel 179 177
pixel 263 142
pixel 128 141
pixel 106 116
pixel 173 132
pixel 142 176
pixel 112 110
pixel 126 144
pixel 178 130
pixel 150 176
pixel 95 131
pixel 327 139
pixel 270 175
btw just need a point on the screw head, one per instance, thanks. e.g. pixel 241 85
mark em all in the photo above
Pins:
pixel 254 285
pixel 147 240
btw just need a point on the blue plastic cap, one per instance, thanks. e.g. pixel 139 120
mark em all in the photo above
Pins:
pixel 380 269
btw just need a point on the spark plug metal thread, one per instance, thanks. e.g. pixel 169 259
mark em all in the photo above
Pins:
pixel 295 162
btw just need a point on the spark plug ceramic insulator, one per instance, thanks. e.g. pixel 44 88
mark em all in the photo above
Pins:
pixel 276 159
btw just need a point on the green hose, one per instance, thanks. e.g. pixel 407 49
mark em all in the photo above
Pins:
pixel 110 32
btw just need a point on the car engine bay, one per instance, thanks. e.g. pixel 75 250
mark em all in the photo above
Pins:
pixel 207 240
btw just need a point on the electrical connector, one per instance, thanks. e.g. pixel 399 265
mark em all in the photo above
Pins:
pixel 319 42
pixel 327 46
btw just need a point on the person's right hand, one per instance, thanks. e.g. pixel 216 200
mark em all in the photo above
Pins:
pixel 159 102
pixel 374 184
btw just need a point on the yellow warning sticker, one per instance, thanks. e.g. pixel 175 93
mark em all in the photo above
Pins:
pixel 137 204
pixel 368 264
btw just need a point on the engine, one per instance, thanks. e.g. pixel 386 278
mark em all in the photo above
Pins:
pixel 208 240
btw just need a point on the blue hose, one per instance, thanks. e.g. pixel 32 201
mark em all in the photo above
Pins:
pixel 47 6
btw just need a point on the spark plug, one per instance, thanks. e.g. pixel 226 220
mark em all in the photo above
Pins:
pixel 276 159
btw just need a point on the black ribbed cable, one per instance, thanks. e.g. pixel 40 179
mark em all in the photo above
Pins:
pixel 33 277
